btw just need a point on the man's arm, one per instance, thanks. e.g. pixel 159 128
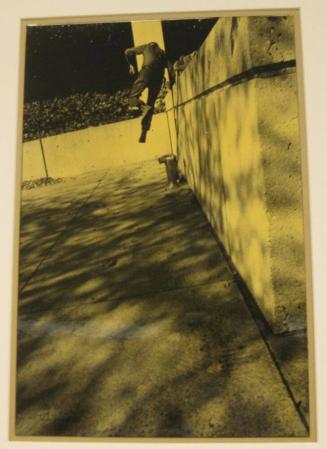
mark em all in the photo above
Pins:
pixel 171 72
pixel 134 51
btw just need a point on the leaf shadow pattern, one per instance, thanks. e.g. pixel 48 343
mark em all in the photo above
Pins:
pixel 132 325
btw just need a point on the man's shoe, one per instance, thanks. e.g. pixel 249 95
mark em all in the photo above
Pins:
pixel 145 109
pixel 134 108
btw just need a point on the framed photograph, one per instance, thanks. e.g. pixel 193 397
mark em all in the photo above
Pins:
pixel 163 253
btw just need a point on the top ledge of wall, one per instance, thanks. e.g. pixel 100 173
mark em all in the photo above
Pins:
pixel 236 45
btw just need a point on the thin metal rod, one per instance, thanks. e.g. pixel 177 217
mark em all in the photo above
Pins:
pixel 44 161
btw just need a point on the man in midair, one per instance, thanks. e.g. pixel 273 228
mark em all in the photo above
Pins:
pixel 150 76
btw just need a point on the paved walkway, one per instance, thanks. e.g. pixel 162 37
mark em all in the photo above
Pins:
pixel 130 323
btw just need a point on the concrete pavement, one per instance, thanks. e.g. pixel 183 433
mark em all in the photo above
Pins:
pixel 130 321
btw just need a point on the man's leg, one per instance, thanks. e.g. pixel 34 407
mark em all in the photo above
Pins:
pixel 140 84
pixel 154 89
pixel 135 92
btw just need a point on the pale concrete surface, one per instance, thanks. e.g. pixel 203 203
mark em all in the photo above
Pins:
pixel 291 352
pixel 239 148
pixel 236 45
pixel 145 32
pixel 95 148
pixel 33 163
pixel 130 322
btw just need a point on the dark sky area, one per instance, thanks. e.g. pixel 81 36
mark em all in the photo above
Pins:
pixel 65 59
pixel 184 36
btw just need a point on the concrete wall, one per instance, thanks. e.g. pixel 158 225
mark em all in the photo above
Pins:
pixel 95 148
pixel 145 31
pixel 33 163
pixel 238 145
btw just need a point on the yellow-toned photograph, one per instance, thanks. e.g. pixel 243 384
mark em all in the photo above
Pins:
pixel 164 270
